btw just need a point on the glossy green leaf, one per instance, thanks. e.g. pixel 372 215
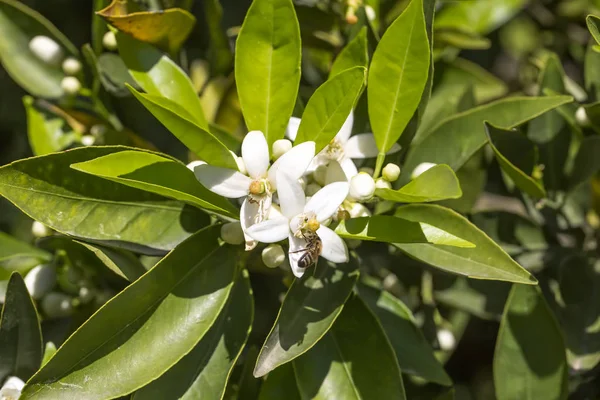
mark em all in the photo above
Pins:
pixel 204 371
pixel 462 72
pixel 20 334
pixel 482 16
pixel 153 173
pixel 486 260
pixel 80 205
pixel 18 25
pixel 454 140
pixel 187 130
pixel 329 107
pixel 267 66
pixel 354 357
pixel 45 131
pixel 435 184
pixel 354 54
pixel 391 229
pixel 280 384
pixel 310 307
pixel 398 75
pixel 18 255
pixel 517 156
pixel 122 263
pixel 145 329
pixel 586 162
pixel 591 72
pixel 158 75
pixel 414 354
pixel 592 22
pixel 166 29
pixel 49 351
pixel 529 361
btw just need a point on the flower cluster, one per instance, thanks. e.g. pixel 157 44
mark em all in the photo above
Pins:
pixel 296 196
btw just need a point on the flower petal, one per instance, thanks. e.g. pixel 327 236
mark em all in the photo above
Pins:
pixel 223 181
pixel 349 168
pixel 335 173
pixel 255 153
pixel 291 196
pixel 334 248
pixel 294 162
pixel 297 245
pixel 327 200
pixel 361 146
pixel 270 231
pixel 346 130
pixel 291 131
pixel 248 215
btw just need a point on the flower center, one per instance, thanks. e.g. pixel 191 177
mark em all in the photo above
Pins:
pixel 260 187
pixel 334 150
pixel 304 222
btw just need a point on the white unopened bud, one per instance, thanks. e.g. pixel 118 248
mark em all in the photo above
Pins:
pixel 46 49
pixel 57 305
pixel 446 339
pixel 366 170
pixel 280 147
pixel 581 117
pixel 40 280
pixel 40 230
pixel 362 186
pixel 70 85
pixel 88 140
pixel 312 188
pixel 419 169
pixel 382 184
pixel 86 294
pixel 353 243
pixel 358 210
pixel 232 233
pixel 195 164
pixel 273 255
pixel 320 175
pixel 390 172
pixel 11 390
pixel 370 12
pixel 71 66
pixel 109 41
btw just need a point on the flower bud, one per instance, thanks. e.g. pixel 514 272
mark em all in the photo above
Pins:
pixel 70 85
pixel 362 186
pixel 320 174
pixel 342 215
pixel 71 66
pixel 86 294
pixel 370 12
pixel 40 280
pixel 109 41
pixel 232 233
pixel 312 188
pixel 359 210
pixel 195 164
pixel 273 255
pixel 581 117
pixel 366 170
pixel 40 230
pixel 446 339
pixel 280 147
pixel 390 172
pixel 382 184
pixel 57 305
pixel 11 390
pixel 46 49
pixel 88 140
pixel 419 169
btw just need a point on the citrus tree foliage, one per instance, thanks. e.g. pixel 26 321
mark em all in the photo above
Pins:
pixel 304 199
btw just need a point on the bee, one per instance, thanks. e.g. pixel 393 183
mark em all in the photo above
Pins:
pixel 312 251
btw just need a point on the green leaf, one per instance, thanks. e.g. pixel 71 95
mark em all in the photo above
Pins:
pixel 461 38
pixel 435 184
pixel 16 255
pixel 592 22
pixel 354 54
pixel 120 262
pixel 329 107
pixel 517 156
pixel 457 138
pixel 586 162
pixel 486 260
pixel 145 329
pixel 310 307
pixel 219 52
pixel 398 75
pixel 189 132
pixel 413 352
pixel 354 357
pixel 280 384
pixel 153 173
pixel 591 72
pixel 267 66
pixel 20 334
pixel 18 25
pixel 80 205
pixel 481 17
pixel 166 29
pixel 45 131
pixel 204 371
pixel 529 361
pixel 49 351
pixel 158 75
pixel 391 229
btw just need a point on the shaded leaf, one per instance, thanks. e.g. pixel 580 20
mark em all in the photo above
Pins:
pixel 592 22
pixel 220 53
pixel 279 384
pixel 435 184
pixel 120 262
pixel 16 255
pixel 586 162
pixel 45 132
pixel 481 17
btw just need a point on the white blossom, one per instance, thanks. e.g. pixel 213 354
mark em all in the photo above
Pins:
pixel 257 189
pixel 382 184
pixel 109 41
pixel 70 85
pixel 299 216
pixel 419 169
pixel 280 147
pixel 40 280
pixel 46 49
pixel 71 66
pixel 362 187
pixel 391 172
pixel 11 389
pixel 40 230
